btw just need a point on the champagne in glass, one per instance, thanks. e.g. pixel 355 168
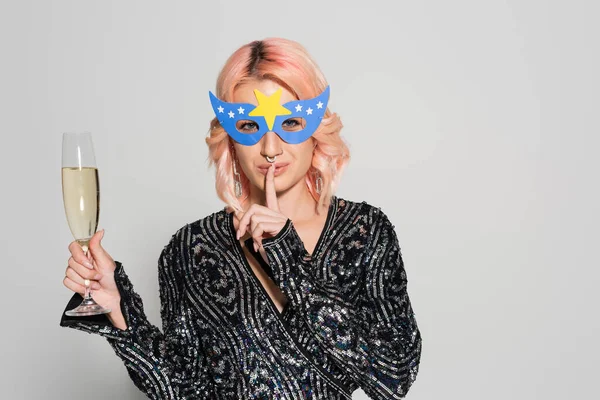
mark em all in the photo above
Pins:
pixel 81 197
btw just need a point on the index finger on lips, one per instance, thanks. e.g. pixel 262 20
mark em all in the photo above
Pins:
pixel 270 192
pixel 78 254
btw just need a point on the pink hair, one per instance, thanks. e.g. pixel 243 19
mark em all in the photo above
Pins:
pixel 287 63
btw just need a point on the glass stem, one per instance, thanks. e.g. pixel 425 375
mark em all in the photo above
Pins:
pixel 88 292
pixel 87 283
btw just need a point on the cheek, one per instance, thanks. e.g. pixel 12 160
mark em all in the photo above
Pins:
pixel 309 151
pixel 305 157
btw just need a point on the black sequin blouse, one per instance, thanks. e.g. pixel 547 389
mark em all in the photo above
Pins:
pixel 348 322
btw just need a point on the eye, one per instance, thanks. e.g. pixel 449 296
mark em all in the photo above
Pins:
pixel 246 126
pixel 293 124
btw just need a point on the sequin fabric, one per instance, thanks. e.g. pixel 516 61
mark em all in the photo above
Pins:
pixel 348 322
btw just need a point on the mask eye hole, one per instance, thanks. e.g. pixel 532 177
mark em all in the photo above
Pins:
pixel 293 124
pixel 246 126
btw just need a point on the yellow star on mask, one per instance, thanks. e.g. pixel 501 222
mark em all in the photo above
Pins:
pixel 269 107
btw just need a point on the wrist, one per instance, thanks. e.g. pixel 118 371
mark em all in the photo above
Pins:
pixel 116 316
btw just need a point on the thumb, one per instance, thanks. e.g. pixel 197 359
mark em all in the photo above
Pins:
pixel 96 248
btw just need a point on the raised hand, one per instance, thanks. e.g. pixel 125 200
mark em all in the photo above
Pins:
pixel 260 221
pixel 98 268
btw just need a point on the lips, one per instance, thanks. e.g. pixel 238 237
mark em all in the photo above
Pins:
pixel 277 165
pixel 279 168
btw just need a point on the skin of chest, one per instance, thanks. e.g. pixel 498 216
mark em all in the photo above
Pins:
pixel 272 289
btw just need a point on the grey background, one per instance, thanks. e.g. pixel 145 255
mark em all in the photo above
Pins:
pixel 473 124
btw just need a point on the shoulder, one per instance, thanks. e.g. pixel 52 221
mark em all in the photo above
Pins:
pixel 371 222
pixel 209 229
pixel 213 224
pixel 372 214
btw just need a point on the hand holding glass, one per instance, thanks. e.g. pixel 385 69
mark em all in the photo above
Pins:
pixel 81 198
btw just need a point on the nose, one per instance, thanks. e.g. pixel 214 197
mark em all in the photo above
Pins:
pixel 271 144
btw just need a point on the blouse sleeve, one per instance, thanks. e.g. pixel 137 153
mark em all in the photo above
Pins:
pixel 169 365
pixel 373 335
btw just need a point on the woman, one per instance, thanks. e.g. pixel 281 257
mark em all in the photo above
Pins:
pixel 289 292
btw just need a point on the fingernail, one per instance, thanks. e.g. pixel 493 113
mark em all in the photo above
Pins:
pixel 88 264
pixel 237 235
pixel 96 285
pixel 255 247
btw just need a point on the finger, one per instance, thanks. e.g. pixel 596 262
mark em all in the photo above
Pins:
pixel 83 271
pixel 78 254
pixel 98 252
pixel 260 229
pixel 74 286
pixel 263 253
pixel 257 232
pixel 255 209
pixel 244 223
pixel 75 277
pixel 261 218
pixel 90 258
pixel 270 193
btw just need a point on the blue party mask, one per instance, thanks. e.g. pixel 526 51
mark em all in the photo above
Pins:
pixel 270 115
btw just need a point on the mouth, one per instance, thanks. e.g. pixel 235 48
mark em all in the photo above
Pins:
pixel 280 168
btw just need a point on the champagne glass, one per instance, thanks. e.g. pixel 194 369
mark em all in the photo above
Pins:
pixel 81 197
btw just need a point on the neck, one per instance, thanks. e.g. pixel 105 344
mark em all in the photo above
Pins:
pixel 296 203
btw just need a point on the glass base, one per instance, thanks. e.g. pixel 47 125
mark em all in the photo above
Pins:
pixel 87 307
